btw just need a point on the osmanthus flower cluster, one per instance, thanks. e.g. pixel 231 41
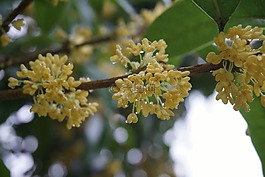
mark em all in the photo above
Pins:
pixel 243 71
pixel 80 54
pixel 54 90
pixel 134 28
pixel 153 87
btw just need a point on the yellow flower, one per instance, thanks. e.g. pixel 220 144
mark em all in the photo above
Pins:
pixel 54 90
pixel 243 67
pixel 157 88
pixel 80 54
pixel 132 118
pixel 12 82
pixel 5 40
pixel 242 96
pixel 151 15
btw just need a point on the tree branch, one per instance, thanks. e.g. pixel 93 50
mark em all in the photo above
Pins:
pixel 8 62
pixel 104 83
pixel 18 10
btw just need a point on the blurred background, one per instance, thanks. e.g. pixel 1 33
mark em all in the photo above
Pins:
pixel 104 145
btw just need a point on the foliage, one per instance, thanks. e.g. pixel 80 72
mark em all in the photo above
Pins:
pixel 88 32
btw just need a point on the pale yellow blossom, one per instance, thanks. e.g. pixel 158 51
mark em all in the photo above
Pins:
pixel 5 40
pixel 54 90
pixel 157 88
pixel 243 70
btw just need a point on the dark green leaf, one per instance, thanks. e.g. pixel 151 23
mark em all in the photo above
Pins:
pixel 249 13
pixel 256 128
pixel 204 82
pixel 48 15
pixel 184 27
pixel 97 5
pixel 219 10
pixel 3 170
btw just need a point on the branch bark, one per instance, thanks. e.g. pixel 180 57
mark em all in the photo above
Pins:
pixel 8 62
pixel 104 83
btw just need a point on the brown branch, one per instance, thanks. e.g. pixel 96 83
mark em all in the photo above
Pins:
pixel 18 10
pixel 104 83
pixel 65 48
pixel 8 62
pixel 202 68
pixel 12 94
pixel 95 41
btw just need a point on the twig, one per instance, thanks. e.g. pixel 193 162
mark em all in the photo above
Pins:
pixel 18 10
pixel 95 41
pixel 12 94
pixel 202 68
pixel 104 83
pixel 7 62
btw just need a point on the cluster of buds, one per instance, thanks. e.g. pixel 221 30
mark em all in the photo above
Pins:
pixel 54 90
pixel 243 66
pixel 153 87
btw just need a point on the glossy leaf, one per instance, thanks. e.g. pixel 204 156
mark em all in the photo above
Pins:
pixel 249 13
pixel 185 28
pixel 219 10
pixel 48 15
pixel 256 128
pixel 3 169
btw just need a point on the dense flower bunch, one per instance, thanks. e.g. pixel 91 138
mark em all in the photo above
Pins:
pixel 154 87
pixel 54 90
pixel 243 66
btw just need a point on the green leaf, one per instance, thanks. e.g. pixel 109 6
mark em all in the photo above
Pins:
pixel 48 15
pixel 256 128
pixel 97 5
pixel 219 10
pixel 249 13
pixel 184 27
pixel 3 170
